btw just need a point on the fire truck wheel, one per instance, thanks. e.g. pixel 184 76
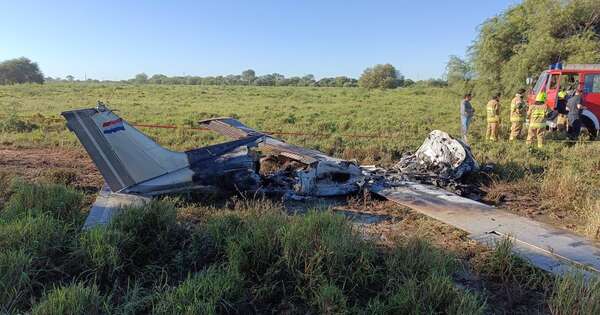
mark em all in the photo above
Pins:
pixel 589 125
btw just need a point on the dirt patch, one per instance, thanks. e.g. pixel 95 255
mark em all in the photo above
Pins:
pixel 33 163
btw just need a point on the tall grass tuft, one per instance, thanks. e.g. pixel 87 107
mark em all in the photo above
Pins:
pixel 419 280
pixel 150 233
pixel 435 294
pixel 592 222
pixel 100 249
pixel 322 248
pixel 507 268
pixel 331 300
pixel 6 180
pixel 213 291
pixel 73 299
pixel 417 258
pixel 42 236
pixel 133 298
pixel 573 294
pixel 58 201
pixel 16 272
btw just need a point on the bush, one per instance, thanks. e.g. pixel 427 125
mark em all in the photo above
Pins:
pixel 151 234
pixel 321 248
pixel 419 281
pixel 42 236
pixel 133 299
pixel 37 199
pixel 380 77
pixel 331 300
pixel 20 70
pixel 213 291
pixel 417 259
pixel 574 294
pixel 436 294
pixel 72 299
pixel 100 249
pixel 256 247
pixel 198 250
pixel 14 124
pixel 6 183
pixel 60 176
pixel 255 253
pixel 16 271
pixel 222 228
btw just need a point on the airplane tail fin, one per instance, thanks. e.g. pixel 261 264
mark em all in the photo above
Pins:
pixel 123 155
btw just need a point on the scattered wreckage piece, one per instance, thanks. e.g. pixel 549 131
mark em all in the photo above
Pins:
pixel 441 161
pixel 441 155
pixel 549 248
pixel 108 204
pixel 320 175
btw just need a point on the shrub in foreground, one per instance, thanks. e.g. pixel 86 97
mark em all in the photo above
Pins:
pixel 213 291
pixel 321 248
pixel 251 259
pixel 574 294
pixel 43 236
pixel 36 199
pixel 16 270
pixel 150 234
pixel 73 299
pixel 100 250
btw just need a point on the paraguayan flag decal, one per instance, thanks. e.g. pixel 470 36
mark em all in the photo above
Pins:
pixel 112 126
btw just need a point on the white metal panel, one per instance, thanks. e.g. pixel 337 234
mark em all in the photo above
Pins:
pixel 541 242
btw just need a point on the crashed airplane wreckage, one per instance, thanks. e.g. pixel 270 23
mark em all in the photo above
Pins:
pixel 136 168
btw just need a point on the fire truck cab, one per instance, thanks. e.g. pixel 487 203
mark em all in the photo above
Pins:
pixel 570 78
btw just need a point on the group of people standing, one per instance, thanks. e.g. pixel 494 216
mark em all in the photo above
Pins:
pixel 536 115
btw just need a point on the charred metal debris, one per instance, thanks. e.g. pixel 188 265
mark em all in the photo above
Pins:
pixel 440 161
pixel 132 163
pixel 298 172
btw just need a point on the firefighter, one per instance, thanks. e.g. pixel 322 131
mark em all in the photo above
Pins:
pixel 493 118
pixel 518 110
pixel 561 104
pixel 537 120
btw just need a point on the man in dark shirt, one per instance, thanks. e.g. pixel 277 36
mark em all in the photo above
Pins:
pixel 574 108
pixel 466 115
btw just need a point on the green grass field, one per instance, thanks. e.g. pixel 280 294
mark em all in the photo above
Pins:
pixel 250 257
pixel 559 177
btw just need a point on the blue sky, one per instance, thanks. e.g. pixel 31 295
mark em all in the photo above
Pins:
pixel 116 39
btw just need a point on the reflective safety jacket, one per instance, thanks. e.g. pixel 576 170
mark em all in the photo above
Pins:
pixel 537 116
pixel 518 109
pixel 493 111
pixel 562 95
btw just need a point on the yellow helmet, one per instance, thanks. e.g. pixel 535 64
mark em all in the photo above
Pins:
pixel 541 97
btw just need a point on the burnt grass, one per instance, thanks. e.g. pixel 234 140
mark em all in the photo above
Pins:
pixel 248 257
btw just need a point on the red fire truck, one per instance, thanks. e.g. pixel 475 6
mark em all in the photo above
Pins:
pixel 571 77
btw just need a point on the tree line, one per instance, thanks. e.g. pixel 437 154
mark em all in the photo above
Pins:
pixel 523 40
pixel 382 76
pixel 379 76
